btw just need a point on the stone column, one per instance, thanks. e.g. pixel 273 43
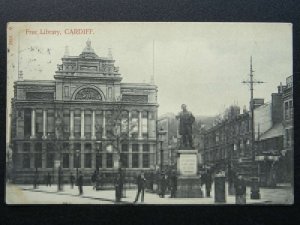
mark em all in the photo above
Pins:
pixel 33 124
pixel 82 124
pixel 44 124
pixel 72 125
pixel 103 126
pixel 93 126
pixel 140 125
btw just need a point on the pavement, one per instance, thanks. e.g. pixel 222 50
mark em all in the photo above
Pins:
pixel 25 194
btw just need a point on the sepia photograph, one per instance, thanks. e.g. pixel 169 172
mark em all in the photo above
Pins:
pixel 149 113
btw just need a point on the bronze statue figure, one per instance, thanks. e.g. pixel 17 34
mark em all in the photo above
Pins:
pixel 186 120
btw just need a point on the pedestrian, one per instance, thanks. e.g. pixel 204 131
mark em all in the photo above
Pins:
pixel 240 190
pixel 35 179
pixel 80 183
pixel 122 179
pixel 163 185
pixel 173 182
pixel 93 179
pixel 208 183
pixel 118 192
pixel 98 181
pixel 72 179
pixel 60 175
pixel 141 180
pixel 48 179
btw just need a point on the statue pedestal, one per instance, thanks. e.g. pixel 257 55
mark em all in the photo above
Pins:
pixel 188 181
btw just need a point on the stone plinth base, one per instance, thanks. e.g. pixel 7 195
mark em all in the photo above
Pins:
pixel 189 187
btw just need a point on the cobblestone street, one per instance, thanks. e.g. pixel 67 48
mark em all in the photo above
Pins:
pixel 20 194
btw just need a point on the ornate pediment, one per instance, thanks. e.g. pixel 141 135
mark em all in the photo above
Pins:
pixel 88 94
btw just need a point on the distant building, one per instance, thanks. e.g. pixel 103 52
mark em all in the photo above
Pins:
pixel 288 126
pixel 228 141
pixel 85 118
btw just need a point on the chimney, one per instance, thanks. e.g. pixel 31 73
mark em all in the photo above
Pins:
pixel 258 102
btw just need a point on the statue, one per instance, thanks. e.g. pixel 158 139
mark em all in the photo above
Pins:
pixel 186 120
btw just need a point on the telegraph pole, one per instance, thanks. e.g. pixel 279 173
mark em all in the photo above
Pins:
pixel 255 179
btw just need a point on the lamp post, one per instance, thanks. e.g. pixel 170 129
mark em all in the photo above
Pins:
pixel 161 134
pixel 77 162
pixel 99 146
pixel 255 179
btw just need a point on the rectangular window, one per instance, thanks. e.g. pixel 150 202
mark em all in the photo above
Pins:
pixel 124 122
pixel 99 161
pixel 135 148
pixel 134 123
pixel 65 160
pixel 145 147
pixel 124 160
pixel 124 148
pixel 38 160
pixel 88 160
pixel 87 147
pixel 50 122
pixel 286 110
pixel 50 160
pixel 66 146
pixel 26 160
pixel 109 124
pixel 77 160
pixel 109 160
pixel 135 160
pixel 98 122
pixel 27 123
pixel 39 123
pixel 88 124
pixel 145 124
pixel 38 147
pixel 66 122
pixel 77 123
pixel 26 147
pixel 146 160
pixel 291 109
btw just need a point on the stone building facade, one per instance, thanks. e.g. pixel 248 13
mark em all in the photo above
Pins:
pixel 85 118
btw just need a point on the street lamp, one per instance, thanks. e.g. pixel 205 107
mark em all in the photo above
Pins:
pixel 161 134
pixel 99 146
pixel 77 163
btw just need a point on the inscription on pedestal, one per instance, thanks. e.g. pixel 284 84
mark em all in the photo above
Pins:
pixel 188 164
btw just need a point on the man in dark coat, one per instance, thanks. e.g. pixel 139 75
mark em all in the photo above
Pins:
pixel 163 185
pixel 80 183
pixel 35 179
pixel 141 180
pixel 240 190
pixel 48 180
pixel 72 179
pixel 173 182
pixel 208 183
pixel 118 190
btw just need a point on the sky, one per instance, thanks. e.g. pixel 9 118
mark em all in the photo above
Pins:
pixel 199 64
